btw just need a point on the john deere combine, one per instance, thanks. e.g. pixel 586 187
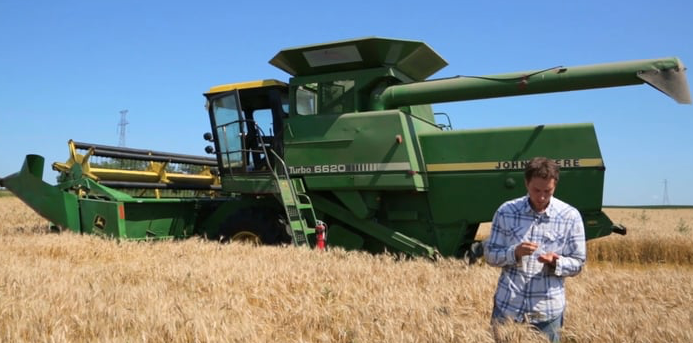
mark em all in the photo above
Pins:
pixel 351 142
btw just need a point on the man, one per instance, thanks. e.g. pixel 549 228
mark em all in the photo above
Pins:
pixel 538 240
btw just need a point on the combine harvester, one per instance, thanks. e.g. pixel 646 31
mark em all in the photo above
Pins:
pixel 352 143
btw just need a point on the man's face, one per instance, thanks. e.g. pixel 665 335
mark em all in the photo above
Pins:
pixel 540 192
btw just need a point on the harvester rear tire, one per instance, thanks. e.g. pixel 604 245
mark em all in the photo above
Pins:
pixel 255 226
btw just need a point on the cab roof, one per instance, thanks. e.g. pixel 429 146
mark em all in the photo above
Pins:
pixel 245 85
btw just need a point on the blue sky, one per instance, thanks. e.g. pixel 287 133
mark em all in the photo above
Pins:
pixel 67 69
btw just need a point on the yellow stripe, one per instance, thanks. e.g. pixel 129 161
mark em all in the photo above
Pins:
pixel 591 162
pixel 498 165
pixel 461 166
pixel 245 85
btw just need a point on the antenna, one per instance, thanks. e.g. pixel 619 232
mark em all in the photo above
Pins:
pixel 665 198
pixel 121 127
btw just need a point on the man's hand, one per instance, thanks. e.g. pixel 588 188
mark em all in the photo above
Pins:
pixel 525 248
pixel 549 258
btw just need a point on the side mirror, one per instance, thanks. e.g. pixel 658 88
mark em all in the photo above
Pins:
pixel 208 137
pixel 209 149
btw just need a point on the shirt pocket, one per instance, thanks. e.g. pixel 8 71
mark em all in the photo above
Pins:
pixel 552 241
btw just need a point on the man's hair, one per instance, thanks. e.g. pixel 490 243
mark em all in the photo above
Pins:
pixel 541 167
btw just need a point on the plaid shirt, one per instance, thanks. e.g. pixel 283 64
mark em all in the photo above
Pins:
pixel 529 290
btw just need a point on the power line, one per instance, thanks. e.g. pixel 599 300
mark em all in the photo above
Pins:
pixel 121 127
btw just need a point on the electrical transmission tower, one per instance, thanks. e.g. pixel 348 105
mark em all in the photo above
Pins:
pixel 665 198
pixel 121 127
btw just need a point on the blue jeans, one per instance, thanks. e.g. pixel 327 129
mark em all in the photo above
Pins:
pixel 551 328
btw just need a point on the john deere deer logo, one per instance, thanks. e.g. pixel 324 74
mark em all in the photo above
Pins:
pixel 99 222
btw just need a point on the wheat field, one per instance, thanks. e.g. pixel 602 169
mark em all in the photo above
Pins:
pixel 72 288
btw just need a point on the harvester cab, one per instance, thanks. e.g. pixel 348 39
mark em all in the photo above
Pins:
pixel 250 155
pixel 350 141
pixel 238 113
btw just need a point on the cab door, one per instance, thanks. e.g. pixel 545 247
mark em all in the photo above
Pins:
pixel 229 132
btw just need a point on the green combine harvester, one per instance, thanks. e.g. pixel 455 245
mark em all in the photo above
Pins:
pixel 348 150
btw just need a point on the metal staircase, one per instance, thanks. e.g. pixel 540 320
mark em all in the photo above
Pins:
pixel 297 205
pixel 291 193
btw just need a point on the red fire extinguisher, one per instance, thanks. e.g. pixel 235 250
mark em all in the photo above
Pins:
pixel 321 235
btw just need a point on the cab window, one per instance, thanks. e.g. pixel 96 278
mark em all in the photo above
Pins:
pixel 332 97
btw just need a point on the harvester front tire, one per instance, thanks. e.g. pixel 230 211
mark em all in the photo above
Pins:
pixel 254 226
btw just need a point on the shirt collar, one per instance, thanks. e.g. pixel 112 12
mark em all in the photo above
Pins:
pixel 550 210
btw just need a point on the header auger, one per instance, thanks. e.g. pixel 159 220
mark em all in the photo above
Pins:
pixel 350 144
pixel 128 168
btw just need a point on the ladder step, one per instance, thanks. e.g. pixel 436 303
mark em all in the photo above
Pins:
pixel 292 212
pixel 300 238
pixel 304 206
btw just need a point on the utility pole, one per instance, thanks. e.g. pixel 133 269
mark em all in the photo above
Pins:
pixel 665 198
pixel 121 127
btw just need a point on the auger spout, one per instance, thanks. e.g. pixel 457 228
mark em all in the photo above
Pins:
pixel 666 74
